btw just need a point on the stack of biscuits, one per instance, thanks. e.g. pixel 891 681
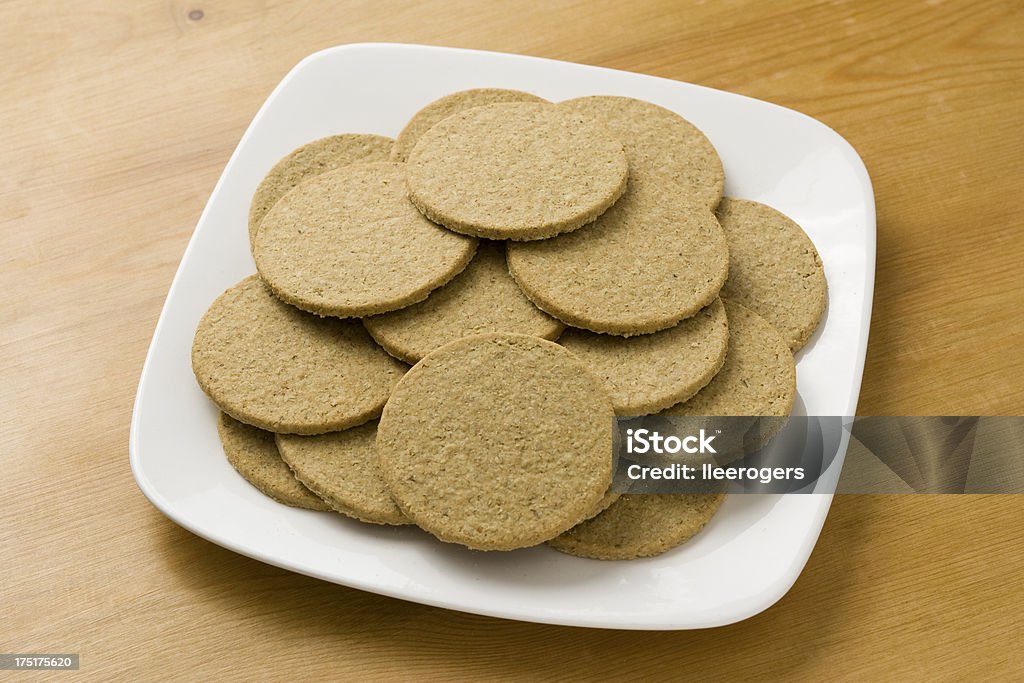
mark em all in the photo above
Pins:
pixel 443 327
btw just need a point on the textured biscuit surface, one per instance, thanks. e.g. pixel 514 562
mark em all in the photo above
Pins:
pixel 647 263
pixel 497 441
pixel 442 108
pixel 758 377
pixel 341 467
pixel 520 171
pixel 272 366
pixel 656 138
pixel 647 373
pixel 602 505
pixel 640 526
pixel 657 256
pixel 774 268
pixel 349 243
pixel 314 158
pixel 252 453
pixel 482 298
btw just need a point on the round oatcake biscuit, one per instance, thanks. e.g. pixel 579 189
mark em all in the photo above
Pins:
pixel 640 526
pixel 349 243
pixel 647 373
pixel 252 453
pixel 440 109
pixel 314 158
pixel 272 366
pixel 647 263
pixel 774 268
pixel 520 171
pixel 497 441
pixel 758 377
pixel 482 298
pixel 656 257
pixel 341 468
pixel 655 137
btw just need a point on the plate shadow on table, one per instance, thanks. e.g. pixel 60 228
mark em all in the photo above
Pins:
pixel 419 639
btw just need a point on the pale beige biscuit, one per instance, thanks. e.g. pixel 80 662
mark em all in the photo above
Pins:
pixel 521 171
pixel 758 377
pixel 640 526
pixel 758 380
pixel 272 366
pixel 252 453
pixel 647 373
pixel 655 137
pixel 341 468
pixel 440 109
pixel 314 158
pixel 647 263
pixel 482 298
pixel 774 268
pixel 349 243
pixel 657 256
pixel 497 441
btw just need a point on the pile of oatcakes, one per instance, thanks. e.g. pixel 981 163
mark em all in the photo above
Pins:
pixel 542 267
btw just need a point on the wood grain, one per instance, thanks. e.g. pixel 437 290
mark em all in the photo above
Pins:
pixel 119 117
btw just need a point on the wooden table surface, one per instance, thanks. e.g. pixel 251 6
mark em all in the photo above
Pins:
pixel 118 118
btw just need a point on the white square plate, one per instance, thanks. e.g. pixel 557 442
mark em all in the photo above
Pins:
pixel 754 548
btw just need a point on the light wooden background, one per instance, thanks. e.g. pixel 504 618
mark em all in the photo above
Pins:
pixel 117 118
